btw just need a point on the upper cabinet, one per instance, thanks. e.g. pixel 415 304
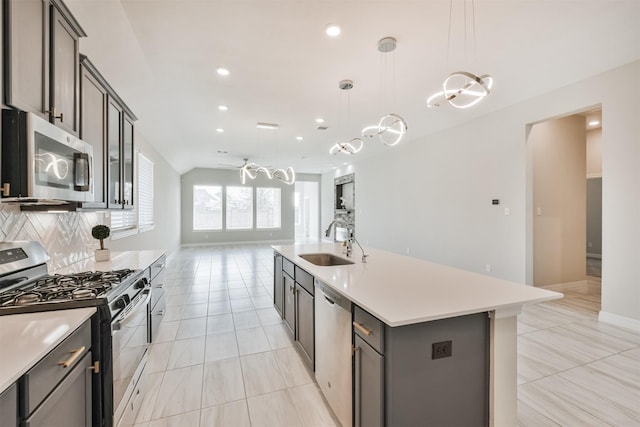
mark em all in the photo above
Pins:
pixel 42 60
pixel 93 126
pixel 107 124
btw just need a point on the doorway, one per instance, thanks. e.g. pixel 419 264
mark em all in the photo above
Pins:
pixel 564 215
pixel 307 211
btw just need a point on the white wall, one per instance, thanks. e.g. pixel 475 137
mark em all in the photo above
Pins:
pixel 560 199
pixel 433 195
pixel 594 153
pixel 166 206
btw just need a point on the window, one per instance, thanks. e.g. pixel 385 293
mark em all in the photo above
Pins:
pixel 239 208
pixel 207 207
pixel 268 208
pixel 124 219
pixel 145 193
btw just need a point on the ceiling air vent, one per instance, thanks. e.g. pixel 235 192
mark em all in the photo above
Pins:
pixel 322 127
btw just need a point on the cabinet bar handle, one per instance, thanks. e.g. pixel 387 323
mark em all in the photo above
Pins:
pixel 362 329
pixel 95 367
pixel 74 355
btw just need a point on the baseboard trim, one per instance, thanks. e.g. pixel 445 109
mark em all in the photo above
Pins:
pixel 617 320
pixel 253 242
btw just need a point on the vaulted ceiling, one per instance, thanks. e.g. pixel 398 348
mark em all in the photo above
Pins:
pixel 162 55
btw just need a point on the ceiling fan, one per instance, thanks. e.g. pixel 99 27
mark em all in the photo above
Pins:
pixel 245 161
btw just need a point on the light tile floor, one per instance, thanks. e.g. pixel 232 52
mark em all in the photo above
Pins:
pixel 223 357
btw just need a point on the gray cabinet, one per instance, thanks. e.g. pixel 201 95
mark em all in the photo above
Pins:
pixel 305 333
pixel 93 126
pixel 157 303
pixel 107 124
pixel 289 314
pixel 278 287
pixel 120 154
pixel 58 389
pixel 293 297
pixel 127 162
pixel 368 382
pixel 305 315
pixel 69 404
pixel 421 374
pixel 9 407
pixel 65 51
pixel 42 59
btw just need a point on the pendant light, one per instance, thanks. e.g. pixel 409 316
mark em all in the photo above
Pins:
pixel 462 89
pixel 391 127
pixel 354 145
pixel 251 170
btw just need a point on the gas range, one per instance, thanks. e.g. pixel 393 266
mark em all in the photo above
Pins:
pixel 119 328
pixel 25 285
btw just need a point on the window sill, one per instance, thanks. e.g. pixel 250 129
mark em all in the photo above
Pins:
pixel 126 232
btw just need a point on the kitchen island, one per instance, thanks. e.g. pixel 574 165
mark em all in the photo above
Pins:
pixel 400 291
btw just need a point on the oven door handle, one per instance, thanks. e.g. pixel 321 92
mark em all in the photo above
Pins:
pixel 117 325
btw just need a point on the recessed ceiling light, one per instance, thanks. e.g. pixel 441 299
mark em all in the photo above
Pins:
pixel 594 122
pixel 222 71
pixel 332 30
pixel 223 107
pixel 219 130
pixel 299 138
pixel 271 126
pixel 319 120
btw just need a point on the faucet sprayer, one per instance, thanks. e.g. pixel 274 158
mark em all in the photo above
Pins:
pixel 351 236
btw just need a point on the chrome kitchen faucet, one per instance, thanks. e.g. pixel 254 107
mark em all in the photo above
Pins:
pixel 351 236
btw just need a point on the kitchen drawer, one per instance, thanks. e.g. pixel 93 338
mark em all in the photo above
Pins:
pixel 304 279
pixel 44 376
pixel 155 317
pixel 157 294
pixel 70 404
pixel 158 266
pixel 368 328
pixel 288 267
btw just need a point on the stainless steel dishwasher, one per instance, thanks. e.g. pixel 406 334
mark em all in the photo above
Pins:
pixel 333 350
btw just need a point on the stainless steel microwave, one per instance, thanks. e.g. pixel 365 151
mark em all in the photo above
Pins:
pixel 43 162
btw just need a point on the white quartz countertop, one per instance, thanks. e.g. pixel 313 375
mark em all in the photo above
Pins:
pixel 134 260
pixel 401 290
pixel 27 338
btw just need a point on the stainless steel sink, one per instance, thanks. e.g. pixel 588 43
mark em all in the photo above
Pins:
pixel 324 259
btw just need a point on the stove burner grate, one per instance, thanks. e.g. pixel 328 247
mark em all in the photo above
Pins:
pixel 87 285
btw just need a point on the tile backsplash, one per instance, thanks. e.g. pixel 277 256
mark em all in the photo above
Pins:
pixel 65 236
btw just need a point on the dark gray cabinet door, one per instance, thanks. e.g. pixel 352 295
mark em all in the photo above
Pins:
pixel 368 379
pixel 127 163
pixel 305 316
pixel 93 130
pixel 9 407
pixel 278 287
pixel 114 137
pixel 289 302
pixel 26 33
pixel 64 73
pixel 70 402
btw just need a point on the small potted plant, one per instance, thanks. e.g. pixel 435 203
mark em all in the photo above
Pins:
pixel 101 232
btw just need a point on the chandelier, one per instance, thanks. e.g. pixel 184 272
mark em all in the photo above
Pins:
pixel 251 170
pixel 462 89
pixel 390 129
